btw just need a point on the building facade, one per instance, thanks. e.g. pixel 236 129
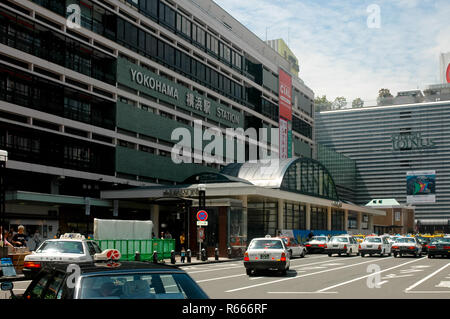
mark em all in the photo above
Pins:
pixel 92 108
pixel 393 144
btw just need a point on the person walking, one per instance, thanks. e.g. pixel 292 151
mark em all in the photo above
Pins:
pixel 182 239
pixel 20 239
pixel 168 235
pixel 37 239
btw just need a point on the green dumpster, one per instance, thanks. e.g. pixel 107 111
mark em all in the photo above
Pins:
pixel 128 247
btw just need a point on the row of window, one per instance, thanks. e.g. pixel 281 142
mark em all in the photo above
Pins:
pixel 33 146
pixel 38 40
pixel 44 95
pixel 302 127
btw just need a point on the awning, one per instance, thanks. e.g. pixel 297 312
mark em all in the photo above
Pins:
pixel 437 222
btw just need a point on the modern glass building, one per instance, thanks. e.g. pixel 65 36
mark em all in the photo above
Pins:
pixel 393 144
pixel 92 108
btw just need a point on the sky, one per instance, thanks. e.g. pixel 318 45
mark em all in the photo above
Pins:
pixel 346 49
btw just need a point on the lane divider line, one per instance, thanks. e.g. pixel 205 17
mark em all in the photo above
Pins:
pixel 426 278
pixel 305 275
pixel 365 276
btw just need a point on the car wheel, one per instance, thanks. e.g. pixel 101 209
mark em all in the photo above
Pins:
pixel 390 254
pixel 329 255
pixel 362 255
pixel 395 255
pixel 303 254
pixel 349 253
pixel 401 255
pixel 248 271
pixel 370 255
pixel 429 256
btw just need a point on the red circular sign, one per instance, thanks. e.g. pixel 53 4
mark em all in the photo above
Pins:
pixel 202 215
pixel 448 73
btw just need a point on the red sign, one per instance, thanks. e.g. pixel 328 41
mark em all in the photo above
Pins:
pixel 285 94
pixel 448 74
pixel 202 215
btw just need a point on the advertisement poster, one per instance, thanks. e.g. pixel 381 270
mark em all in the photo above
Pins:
pixel 283 138
pixel 420 187
pixel 285 95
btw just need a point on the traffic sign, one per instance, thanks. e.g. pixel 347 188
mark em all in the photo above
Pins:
pixel 202 216
pixel 201 223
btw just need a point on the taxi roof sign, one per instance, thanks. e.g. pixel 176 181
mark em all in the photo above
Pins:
pixel 72 236
pixel 108 254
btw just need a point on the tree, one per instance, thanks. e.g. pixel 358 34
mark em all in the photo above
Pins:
pixel 357 103
pixel 384 97
pixel 322 104
pixel 383 93
pixel 339 103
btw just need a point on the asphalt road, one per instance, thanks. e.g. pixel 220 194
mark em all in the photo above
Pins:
pixel 323 277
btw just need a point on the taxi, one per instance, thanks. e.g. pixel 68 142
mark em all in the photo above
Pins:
pixel 108 278
pixel 407 246
pixel 316 244
pixel 439 247
pixel 375 245
pixel 70 247
pixel 342 244
pixel 295 248
pixel 267 253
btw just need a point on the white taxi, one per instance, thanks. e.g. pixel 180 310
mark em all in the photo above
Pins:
pixel 316 244
pixel 267 253
pixel 375 245
pixel 69 247
pixel 407 246
pixel 342 244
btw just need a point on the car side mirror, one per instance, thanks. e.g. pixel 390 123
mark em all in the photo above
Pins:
pixel 7 286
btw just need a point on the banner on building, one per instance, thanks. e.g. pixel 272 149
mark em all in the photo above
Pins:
pixel 285 95
pixel 283 126
pixel 421 187
pixel 445 67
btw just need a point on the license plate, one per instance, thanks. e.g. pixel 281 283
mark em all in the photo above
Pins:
pixel 369 246
pixel 265 256
pixel 335 245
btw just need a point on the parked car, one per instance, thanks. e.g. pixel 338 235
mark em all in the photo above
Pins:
pixel 342 244
pixel 73 248
pixel 295 248
pixel 316 244
pixel 110 279
pixel 375 245
pixel 439 247
pixel 266 254
pixel 407 246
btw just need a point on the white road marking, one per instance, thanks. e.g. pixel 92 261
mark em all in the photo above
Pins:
pixel 305 275
pixel 301 292
pixel 314 267
pixel 394 276
pixel 215 269
pixel 407 271
pixel 443 284
pixel 426 278
pixel 219 278
pixel 365 276
pixel 427 292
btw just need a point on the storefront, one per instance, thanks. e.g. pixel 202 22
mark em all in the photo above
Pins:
pixel 244 202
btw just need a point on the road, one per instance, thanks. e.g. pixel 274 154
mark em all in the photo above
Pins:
pixel 323 277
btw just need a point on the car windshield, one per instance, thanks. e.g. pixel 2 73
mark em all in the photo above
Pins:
pixel 62 247
pixel 140 286
pixel 319 238
pixel 441 240
pixel 339 239
pixel 266 244
pixel 406 240
pixel 373 240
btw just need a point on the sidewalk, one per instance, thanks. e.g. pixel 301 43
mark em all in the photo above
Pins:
pixel 194 261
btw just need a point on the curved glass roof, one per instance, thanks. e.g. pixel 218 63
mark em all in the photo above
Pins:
pixel 299 175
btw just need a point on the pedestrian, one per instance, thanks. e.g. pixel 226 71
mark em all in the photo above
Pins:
pixel 162 235
pixel 3 238
pixel 182 254
pixel 182 239
pixel 37 239
pixel 168 235
pixel 310 235
pixel 20 239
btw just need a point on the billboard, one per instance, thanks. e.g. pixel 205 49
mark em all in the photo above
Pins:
pixel 445 67
pixel 285 95
pixel 420 187
pixel 283 138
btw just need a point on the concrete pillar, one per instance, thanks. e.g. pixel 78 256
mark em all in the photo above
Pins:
pixel 280 214
pixel 154 216
pixel 308 216
pixel 329 218
pixel 358 221
pixel 244 200
pixel 346 220
pixel 370 226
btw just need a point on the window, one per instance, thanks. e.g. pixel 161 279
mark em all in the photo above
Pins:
pixel 184 25
pixel 212 44
pixel 54 290
pixel 167 16
pixel 198 35
pixel 38 289
pixel 149 8
pixel 63 247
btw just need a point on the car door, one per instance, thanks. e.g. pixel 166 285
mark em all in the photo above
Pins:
pixel 354 245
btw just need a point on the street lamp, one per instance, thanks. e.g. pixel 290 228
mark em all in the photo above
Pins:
pixel 3 160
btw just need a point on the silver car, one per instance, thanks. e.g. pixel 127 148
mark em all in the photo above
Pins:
pixel 267 254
